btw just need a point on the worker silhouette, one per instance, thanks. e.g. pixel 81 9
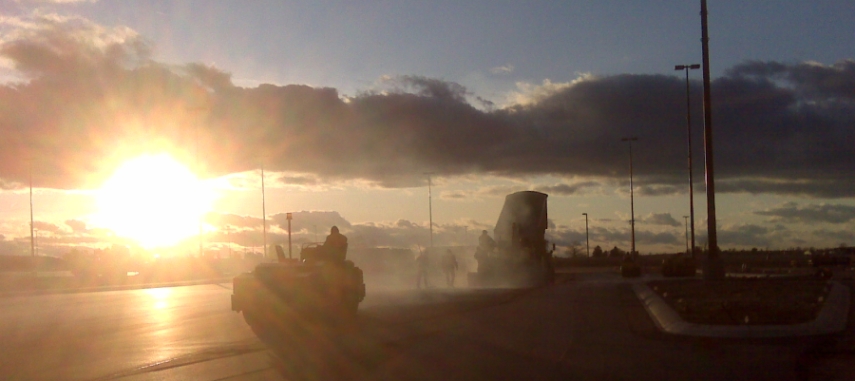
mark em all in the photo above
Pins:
pixel 422 270
pixel 486 245
pixel 449 267
pixel 335 245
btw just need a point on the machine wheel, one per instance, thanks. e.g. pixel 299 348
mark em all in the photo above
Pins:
pixel 255 323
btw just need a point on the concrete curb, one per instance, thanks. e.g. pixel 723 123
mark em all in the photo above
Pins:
pixel 832 318
pixel 7 294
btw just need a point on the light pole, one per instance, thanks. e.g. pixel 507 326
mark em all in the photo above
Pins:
pixel 264 215
pixel 714 267
pixel 631 193
pixel 289 216
pixel 32 224
pixel 686 219
pixel 587 246
pixel 430 208
pixel 686 68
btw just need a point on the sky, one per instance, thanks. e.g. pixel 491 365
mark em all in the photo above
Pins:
pixel 349 107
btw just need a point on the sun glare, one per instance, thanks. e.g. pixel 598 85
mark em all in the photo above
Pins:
pixel 153 200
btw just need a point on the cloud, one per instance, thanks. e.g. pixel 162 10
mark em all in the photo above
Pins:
pixel 76 226
pixel 453 195
pixel 46 227
pixel 664 219
pixel 811 213
pixel 95 96
pixel 836 237
pixel 313 222
pixel 222 220
pixel 645 237
pixel 504 69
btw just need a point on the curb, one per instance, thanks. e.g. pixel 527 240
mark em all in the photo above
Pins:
pixel 113 288
pixel 832 318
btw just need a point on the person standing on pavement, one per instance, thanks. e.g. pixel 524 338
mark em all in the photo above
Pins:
pixel 422 270
pixel 449 267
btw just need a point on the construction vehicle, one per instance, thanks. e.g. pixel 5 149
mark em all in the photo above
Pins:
pixel 320 286
pixel 521 256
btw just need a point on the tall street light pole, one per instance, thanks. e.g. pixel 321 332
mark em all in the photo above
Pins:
pixel 587 246
pixel 32 223
pixel 714 268
pixel 631 193
pixel 264 215
pixel 430 208
pixel 289 216
pixel 686 219
pixel 686 68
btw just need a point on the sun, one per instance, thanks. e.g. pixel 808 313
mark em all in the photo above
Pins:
pixel 154 200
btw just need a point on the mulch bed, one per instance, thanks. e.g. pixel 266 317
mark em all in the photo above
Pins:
pixel 744 301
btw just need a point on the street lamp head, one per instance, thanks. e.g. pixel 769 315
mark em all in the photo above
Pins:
pixel 584 214
pixel 687 67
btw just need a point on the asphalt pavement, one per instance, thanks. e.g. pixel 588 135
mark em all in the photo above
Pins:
pixel 591 327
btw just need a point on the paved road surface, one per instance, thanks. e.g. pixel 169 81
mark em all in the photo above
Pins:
pixel 590 328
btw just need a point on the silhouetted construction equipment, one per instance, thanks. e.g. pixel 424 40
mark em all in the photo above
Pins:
pixel 319 286
pixel 522 256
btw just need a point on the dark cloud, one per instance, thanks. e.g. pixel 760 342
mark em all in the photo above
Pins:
pixel 432 88
pixel 819 187
pixel 812 213
pixel 662 190
pixel 566 189
pixel 94 94
pixel 298 180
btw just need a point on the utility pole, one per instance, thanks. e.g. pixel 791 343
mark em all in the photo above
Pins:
pixel 587 246
pixel 264 214
pixel 714 267
pixel 631 192
pixel 686 68
pixel 32 225
pixel 430 208
pixel 288 217
pixel 686 219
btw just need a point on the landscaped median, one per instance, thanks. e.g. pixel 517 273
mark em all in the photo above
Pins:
pixel 750 308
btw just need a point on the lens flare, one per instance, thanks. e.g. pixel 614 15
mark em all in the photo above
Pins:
pixel 154 200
